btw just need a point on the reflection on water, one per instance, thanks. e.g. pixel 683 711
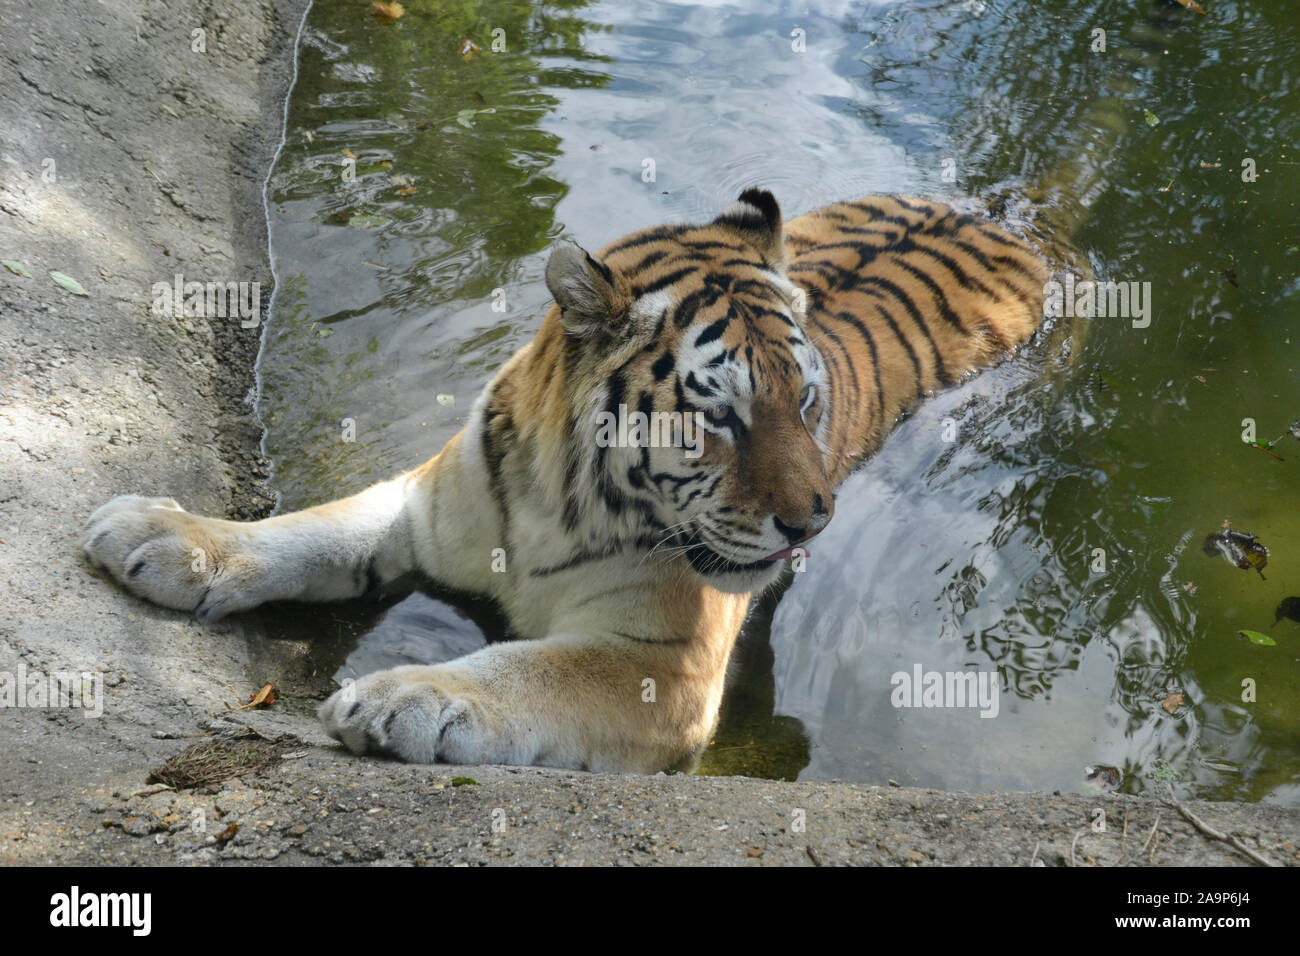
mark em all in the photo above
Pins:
pixel 1056 540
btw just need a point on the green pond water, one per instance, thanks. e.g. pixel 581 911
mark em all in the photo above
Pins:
pixel 415 183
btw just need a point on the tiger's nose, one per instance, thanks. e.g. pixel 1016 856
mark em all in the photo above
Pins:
pixel 818 518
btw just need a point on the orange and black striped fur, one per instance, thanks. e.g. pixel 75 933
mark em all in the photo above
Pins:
pixel 630 561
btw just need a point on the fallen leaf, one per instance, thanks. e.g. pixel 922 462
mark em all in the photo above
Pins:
pixel 466 116
pixel 1238 548
pixel 406 190
pixel 468 48
pixel 265 696
pixel 228 834
pixel 69 283
pixel 348 153
pixel 16 267
pixel 1257 638
pixel 1172 702
pixel 1151 118
pixel 387 11
pixel 1193 6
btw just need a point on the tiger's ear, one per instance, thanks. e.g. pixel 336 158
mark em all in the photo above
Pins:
pixel 590 295
pixel 756 217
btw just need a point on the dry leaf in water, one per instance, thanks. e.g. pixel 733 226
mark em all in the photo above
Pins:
pixel 1193 6
pixel 386 11
pixel 1172 702
pixel 468 49
pixel 1238 547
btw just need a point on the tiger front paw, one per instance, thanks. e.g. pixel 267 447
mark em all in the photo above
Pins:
pixel 407 713
pixel 164 554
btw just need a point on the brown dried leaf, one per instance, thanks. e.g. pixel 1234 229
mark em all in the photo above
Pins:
pixel 468 48
pixel 1193 6
pixel 1172 702
pixel 387 11
pixel 1238 547
pixel 264 697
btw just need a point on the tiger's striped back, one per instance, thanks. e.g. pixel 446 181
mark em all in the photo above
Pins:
pixel 905 296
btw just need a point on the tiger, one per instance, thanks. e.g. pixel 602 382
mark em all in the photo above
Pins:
pixel 626 568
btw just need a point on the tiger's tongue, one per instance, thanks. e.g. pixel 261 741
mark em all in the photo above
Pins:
pixel 787 553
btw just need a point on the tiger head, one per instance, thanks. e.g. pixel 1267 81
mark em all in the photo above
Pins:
pixel 700 415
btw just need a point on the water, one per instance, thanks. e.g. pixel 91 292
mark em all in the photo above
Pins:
pixel 977 554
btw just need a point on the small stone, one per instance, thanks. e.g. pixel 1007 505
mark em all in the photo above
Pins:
pixel 137 826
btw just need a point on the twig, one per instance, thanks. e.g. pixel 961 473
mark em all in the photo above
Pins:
pixel 1209 831
pixel 1152 834
pixel 150 791
pixel 1123 842
pixel 1033 858
pixel 1072 843
pixel 1266 451
pixel 253 731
